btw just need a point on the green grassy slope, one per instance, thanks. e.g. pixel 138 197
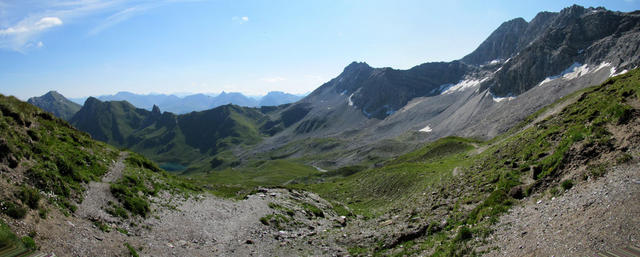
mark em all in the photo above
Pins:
pixel 55 157
pixel 174 141
pixel 453 180
pixel 240 181
pixel 46 164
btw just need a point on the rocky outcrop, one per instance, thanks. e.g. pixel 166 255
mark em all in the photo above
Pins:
pixel 576 35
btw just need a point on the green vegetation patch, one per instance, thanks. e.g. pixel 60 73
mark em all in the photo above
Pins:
pixel 239 181
pixel 141 180
pixel 61 159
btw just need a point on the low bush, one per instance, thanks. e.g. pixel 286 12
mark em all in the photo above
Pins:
pixel 567 184
pixel 13 210
pixel 29 243
pixel 312 210
pixel 29 196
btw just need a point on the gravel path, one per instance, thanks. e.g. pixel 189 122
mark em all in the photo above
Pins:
pixel 593 216
pixel 97 194
pixel 209 226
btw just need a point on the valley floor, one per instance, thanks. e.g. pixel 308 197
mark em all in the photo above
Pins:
pixel 202 225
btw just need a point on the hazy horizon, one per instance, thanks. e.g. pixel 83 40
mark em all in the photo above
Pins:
pixel 93 48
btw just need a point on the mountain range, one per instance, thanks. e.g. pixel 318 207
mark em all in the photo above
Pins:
pixel 197 102
pixel 528 146
pixel 521 67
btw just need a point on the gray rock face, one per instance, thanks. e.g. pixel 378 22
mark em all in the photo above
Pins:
pixel 556 41
pixel 520 68
pixel 379 92
pixel 519 53
pixel 501 44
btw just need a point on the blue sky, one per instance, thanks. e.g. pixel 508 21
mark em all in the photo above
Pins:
pixel 95 47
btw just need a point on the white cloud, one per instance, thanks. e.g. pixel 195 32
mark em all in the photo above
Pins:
pixel 35 17
pixel 40 44
pixel 20 36
pixel 273 79
pixel 240 20
pixel 26 27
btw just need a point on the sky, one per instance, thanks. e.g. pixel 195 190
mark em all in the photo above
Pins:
pixel 96 47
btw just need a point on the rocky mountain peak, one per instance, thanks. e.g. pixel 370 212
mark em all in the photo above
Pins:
pixel 91 101
pixel 356 67
pixel 53 95
pixel 156 109
pixel 501 44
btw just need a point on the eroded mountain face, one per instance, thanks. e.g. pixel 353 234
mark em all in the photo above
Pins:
pixel 521 67
pixel 520 55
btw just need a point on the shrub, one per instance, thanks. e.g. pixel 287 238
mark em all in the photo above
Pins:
pixel 129 199
pixel 118 211
pixel 6 236
pixel 313 210
pixel 137 205
pixel 29 196
pixel 277 220
pixel 464 233
pixel 29 243
pixel 624 158
pixel 567 184
pixel 43 213
pixel 597 170
pixel 132 251
pixel 14 210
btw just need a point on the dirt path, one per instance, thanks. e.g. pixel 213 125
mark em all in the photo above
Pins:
pixel 97 194
pixel 593 216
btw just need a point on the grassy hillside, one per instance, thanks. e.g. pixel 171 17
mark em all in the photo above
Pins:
pixel 174 141
pixel 450 192
pixel 46 165
pixel 55 157
pixel 45 162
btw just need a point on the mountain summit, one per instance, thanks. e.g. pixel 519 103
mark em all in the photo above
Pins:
pixel 57 104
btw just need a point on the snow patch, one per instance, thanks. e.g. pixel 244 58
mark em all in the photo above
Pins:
pixel 319 169
pixel 350 101
pixel 441 88
pixel 507 98
pixel 576 70
pixel 546 80
pixel 496 61
pixel 426 129
pixel 343 92
pixel 619 73
pixel 463 85
pixel 500 99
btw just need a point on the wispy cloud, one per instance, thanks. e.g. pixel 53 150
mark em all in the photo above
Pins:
pixel 120 17
pixel 273 79
pixel 240 20
pixel 27 27
pixel 19 37
pixel 23 22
